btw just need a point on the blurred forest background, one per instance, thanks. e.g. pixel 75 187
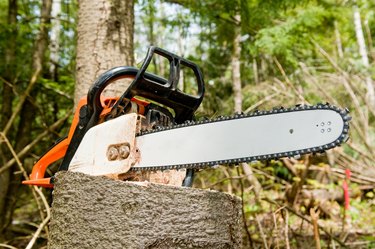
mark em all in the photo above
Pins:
pixel 255 55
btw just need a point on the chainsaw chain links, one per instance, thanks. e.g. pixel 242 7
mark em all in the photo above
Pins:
pixel 344 113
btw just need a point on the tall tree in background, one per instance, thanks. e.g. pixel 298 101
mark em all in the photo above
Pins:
pixel 364 55
pixel 105 40
pixel 24 109
pixel 54 44
pixel 6 110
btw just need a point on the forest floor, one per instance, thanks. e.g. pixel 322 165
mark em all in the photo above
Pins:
pixel 316 217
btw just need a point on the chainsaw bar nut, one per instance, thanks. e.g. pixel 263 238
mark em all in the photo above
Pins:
pixel 112 153
pixel 124 151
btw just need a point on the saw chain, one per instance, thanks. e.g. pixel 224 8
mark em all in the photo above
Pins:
pixel 344 113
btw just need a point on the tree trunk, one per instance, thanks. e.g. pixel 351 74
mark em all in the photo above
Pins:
pixel 363 53
pixel 55 39
pixel 236 70
pixel 10 63
pixel 340 51
pixel 255 71
pixel 6 105
pixel 25 109
pixel 105 40
pixel 96 212
pixel 237 93
pixel 369 39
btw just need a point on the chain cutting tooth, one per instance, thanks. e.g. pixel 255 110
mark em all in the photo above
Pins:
pixel 275 110
pixel 347 118
pixel 297 156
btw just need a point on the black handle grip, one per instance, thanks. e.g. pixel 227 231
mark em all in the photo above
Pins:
pixel 151 86
pixel 112 75
pixel 165 91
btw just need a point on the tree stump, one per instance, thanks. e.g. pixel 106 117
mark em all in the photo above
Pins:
pixel 97 212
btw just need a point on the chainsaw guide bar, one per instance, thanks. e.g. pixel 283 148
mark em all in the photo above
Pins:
pixel 341 136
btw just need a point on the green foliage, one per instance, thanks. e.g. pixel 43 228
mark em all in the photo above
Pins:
pixel 291 39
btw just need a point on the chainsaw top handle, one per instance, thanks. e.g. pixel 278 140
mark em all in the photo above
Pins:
pixel 152 87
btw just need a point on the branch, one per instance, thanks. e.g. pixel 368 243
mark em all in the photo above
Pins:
pixel 243 210
pixel 8 246
pixel 261 102
pixel 22 100
pixel 314 217
pixel 261 232
pixel 287 80
pixel 346 84
pixel 286 229
pixel 28 147
pixel 308 220
pixel 44 222
pixel 34 189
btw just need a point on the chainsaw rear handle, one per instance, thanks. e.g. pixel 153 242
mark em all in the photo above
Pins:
pixel 94 105
pixel 153 87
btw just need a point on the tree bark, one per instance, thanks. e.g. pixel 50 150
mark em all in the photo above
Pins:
pixel 10 63
pixel 363 53
pixel 40 46
pixel 26 110
pixel 340 51
pixel 237 93
pixel 236 70
pixel 105 40
pixel 6 105
pixel 54 44
pixel 96 212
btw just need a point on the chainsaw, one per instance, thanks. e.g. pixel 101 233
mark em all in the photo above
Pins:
pixel 151 127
